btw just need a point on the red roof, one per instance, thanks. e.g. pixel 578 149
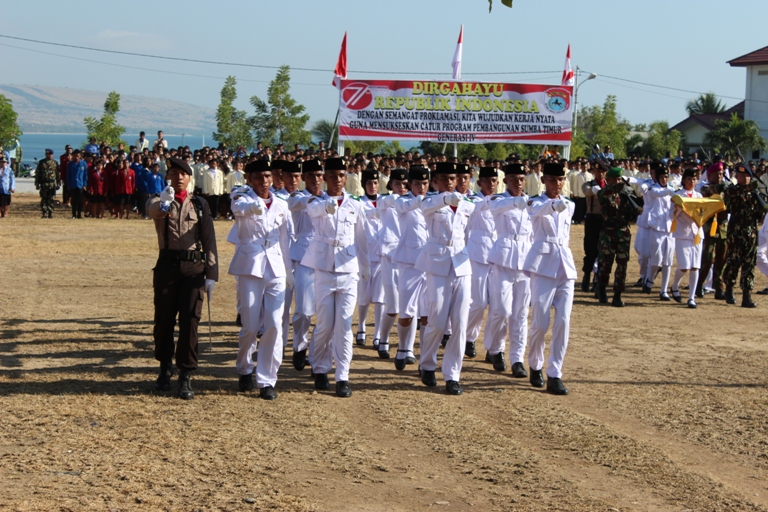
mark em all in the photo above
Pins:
pixel 708 120
pixel 755 58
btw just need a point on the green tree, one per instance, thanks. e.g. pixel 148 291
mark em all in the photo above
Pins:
pixel 661 140
pixel 280 119
pixel 508 3
pixel 232 126
pixel 323 130
pixel 9 128
pixel 600 125
pixel 734 136
pixel 705 104
pixel 106 129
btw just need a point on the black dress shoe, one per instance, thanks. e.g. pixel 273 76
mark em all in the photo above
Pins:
pixel 428 378
pixel 719 295
pixel 764 291
pixel 163 382
pixel 321 381
pixel 691 304
pixel 518 371
pixel 247 382
pixel 499 364
pixel 488 357
pixel 399 364
pixel 446 337
pixel 267 393
pixel 469 349
pixel 677 297
pixel 360 339
pixel 646 288
pixel 299 359
pixel 239 320
pixel 185 386
pixel 664 297
pixel 383 351
pixel 342 389
pixel 537 378
pixel 453 388
pixel 556 387
pixel 638 283
pixel 410 360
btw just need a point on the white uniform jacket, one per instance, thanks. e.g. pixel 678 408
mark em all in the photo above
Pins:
pixel 446 237
pixel 340 243
pixel 659 205
pixel 551 235
pixel 372 225
pixel 389 235
pixel 261 239
pixel 481 233
pixel 686 228
pixel 413 229
pixel 514 232
pixel 304 230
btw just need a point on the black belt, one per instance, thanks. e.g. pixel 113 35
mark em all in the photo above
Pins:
pixel 172 255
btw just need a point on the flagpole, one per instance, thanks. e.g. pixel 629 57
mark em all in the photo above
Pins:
pixel 456 65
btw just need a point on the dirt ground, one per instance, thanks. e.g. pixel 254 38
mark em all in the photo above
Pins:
pixel 668 406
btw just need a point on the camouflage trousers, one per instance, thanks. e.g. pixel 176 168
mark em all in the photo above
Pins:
pixel 742 254
pixel 46 199
pixel 713 256
pixel 614 244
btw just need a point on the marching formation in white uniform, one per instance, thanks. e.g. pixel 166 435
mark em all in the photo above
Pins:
pixel 432 261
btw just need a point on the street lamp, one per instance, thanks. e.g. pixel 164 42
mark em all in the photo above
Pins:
pixel 576 96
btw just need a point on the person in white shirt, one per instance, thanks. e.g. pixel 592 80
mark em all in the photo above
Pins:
pixel 689 239
pixel 260 263
pixel 552 271
pixel 662 245
pixel 159 142
pixel 339 256
pixel 141 143
pixel 481 234
pixel 533 184
pixel 509 287
pixel 445 261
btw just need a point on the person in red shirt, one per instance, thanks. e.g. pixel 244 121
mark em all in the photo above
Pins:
pixel 97 185
pixel 64 162
pixel 110 170
pixel 125 184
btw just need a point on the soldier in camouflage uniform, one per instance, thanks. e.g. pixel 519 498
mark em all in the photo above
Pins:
pixel 618 211
pixel 747 209
pixel 47 182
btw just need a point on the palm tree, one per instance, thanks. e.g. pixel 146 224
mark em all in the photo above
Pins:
pixel 705 104
pixel 323 130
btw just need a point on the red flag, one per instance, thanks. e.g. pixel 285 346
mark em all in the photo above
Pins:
pixel 568 77
pixel 456 62
pixel 341 65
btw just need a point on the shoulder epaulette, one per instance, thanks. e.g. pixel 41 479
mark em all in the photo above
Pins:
pixel 297 193
pixel 281 197
pixel 432 193
pixel 356 198
pixel 534 197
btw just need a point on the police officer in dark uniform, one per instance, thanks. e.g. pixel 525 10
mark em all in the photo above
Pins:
pixel 186 269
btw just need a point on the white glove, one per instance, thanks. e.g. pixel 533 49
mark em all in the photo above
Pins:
pixel 208 287
pixel 255 208
pixel 559 205
pixel 452 199
pixel 167 194
pixel 290 281
pixel 365 274
pixel 519 202
pixel 331 206
pixel 595 189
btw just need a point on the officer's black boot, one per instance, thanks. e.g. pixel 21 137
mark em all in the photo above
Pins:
pixel 729 298
pixel 617 302
pixel 163 382
pixel 185 386
pixel 746 300
pixel 585 282
pixel 602 295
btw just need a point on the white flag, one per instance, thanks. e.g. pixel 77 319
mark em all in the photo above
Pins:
pixel 456 62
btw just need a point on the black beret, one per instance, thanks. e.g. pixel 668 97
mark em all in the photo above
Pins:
pixel 553 169
pixel 335 164
pixel 258 166
pixel 367 175
pixel 689 173
pixel 313 165
pixel 488 172
pixel 418 172
pixel 279 164
pixel 398 174
pixel 513 169
pixel 290 167
pixel 179 164
pixel 463 169
pixel 446 168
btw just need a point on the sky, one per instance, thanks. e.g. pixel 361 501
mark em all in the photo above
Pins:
pixel 681 44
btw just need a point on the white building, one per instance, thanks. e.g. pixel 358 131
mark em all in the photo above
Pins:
pixel 756 97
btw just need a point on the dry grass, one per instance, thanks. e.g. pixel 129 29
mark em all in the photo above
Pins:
pixel 668 407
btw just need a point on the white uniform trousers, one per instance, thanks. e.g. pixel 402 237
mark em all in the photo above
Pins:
pixel 662 249
pixel 304 291
pixel 548 292
pixel 479 301
pixel 389 279
pixel 642 248
pixel 332 338
pixel 448 298
pixel 411 296
pixel 762 262
pixel 510 297
pixel 262 300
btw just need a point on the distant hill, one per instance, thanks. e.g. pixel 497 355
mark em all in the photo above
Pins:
pixel 61 110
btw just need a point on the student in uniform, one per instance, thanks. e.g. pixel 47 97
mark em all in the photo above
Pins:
pixel 445 261
pixel 339 256
pixel 689 239
pixel 509 287
pixel 552 271
pixel 662 245
pixel 260 263
pixel 480 238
